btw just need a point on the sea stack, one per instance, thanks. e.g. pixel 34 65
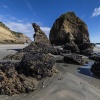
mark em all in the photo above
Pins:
pixel 69 29
pixel 39 36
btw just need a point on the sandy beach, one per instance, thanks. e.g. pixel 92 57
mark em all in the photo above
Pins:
pixel 73 82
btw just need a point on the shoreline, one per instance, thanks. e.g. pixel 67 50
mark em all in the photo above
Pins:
pixel 68 83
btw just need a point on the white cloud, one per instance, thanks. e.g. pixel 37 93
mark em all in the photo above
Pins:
pixel 25 28
pixel 46 30
pixel 96 12
pixel 22 26
pixel 5 6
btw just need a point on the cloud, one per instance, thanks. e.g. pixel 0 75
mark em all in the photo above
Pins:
pixel 46 30
pixel 25 28
pixel 22 26
pixel 96 12
pixel 5 6
pixel 28 4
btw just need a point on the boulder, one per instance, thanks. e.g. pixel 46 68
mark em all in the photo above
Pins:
pixel 95 68
pixel 72 47
pixel 37 65
pixel 11 82
pixel 86 48
pixel 65 24
pixel 70 31
pixel 73 59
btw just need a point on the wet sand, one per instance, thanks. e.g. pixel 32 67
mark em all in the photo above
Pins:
pixel 73 82
pixel 10 49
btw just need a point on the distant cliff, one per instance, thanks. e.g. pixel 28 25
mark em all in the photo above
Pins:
pixel 8 36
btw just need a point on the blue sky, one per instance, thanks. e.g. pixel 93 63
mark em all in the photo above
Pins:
pixel 18 15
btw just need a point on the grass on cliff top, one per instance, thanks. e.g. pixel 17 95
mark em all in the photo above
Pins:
pixel 3 25
pixel 17 34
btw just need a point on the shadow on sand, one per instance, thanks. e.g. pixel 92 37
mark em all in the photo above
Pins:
pixel 15 49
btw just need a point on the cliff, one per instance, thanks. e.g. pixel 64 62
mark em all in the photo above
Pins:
pixel 8 36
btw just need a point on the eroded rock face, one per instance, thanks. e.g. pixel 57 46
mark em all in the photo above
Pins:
pixel 72 47
pixel 39 35
pixel 7 36
pixel 65 24
pixel 70 31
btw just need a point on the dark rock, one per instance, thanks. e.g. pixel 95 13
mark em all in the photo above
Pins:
pixel 13 83
pixel 37 47
pixel 73 59
pixel 95 68
pixel 37 64
pixel 86 49
pixel 72 47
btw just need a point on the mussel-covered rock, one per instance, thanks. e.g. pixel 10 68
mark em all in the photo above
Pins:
pixel 73 59
pixel 38 65
pixel 13 83
pixel 95 68
pixel 86 48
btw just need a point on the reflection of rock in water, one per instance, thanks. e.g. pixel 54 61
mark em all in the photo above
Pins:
pixel 85 69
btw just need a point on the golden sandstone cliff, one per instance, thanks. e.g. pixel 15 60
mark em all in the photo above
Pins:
pixel 8 36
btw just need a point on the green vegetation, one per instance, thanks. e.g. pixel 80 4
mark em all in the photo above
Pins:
pixel 3 25
pixel 17 34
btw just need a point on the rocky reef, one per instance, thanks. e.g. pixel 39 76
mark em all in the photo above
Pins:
pixel 70 31
pixel 35 64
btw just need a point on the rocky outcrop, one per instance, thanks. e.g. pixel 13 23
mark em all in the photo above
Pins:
pixel 8 36
pixel 72 47
pixel 36 63
pixel 39 35
pixel 69 23
pixel 73 59
pixel 11 82
pixel 95 68
pixel 69 29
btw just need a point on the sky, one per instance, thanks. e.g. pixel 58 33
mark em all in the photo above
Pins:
pixel 19 15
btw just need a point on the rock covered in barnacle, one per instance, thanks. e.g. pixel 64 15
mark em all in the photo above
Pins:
pixel 11 82
pixel 95 68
